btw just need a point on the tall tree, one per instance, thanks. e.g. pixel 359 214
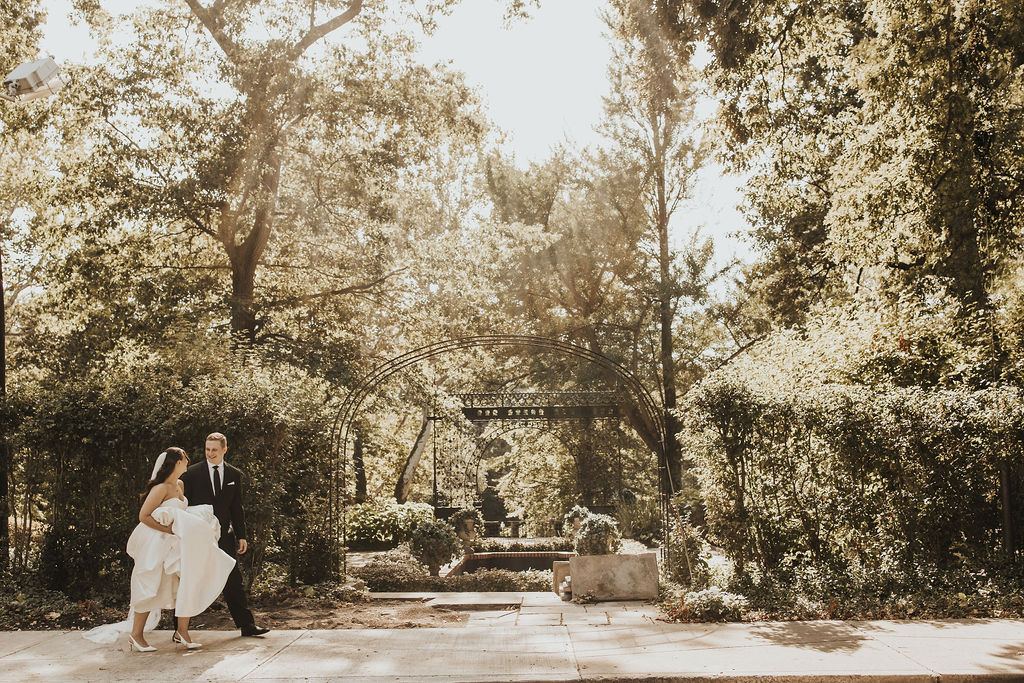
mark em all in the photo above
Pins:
pixel 257 148
pixel 886 140
pixel 610 278
pixel 23 191
pixel 649 116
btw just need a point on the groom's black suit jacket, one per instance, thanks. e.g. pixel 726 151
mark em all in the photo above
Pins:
pixel 227 506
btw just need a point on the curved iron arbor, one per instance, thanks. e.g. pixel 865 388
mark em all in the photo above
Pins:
pixel 642 409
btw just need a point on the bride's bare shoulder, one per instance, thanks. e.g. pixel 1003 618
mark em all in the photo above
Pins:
pixel 167 491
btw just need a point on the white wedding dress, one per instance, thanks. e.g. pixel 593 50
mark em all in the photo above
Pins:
pixel 184 570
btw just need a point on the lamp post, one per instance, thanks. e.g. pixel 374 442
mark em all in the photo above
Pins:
pixel 29 81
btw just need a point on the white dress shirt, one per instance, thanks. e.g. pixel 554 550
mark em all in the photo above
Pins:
pixel 220 468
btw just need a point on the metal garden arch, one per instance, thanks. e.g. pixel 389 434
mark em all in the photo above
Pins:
pixel 641 410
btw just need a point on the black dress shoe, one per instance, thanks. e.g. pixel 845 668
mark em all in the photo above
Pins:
pixel 254 631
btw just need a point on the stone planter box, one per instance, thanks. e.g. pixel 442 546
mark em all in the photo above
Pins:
pixel 615 577
pixel 559 570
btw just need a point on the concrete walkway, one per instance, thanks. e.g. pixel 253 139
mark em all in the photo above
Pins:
pixel 542 639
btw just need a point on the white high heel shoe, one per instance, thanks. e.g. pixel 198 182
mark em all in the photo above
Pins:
pixel 133 645
pixel 176 638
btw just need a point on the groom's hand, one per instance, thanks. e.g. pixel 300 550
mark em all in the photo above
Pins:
pixel 242 547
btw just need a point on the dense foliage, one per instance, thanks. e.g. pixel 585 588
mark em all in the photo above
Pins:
pixel 839 475
pixel 384 524
pixel 87 446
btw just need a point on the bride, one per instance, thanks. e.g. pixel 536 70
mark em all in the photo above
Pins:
pixel 177 562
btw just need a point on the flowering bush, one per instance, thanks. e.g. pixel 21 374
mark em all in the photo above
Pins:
pixel 710 604
pixel 598 535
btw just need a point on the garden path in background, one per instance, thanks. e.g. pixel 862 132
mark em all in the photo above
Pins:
pixel 517 610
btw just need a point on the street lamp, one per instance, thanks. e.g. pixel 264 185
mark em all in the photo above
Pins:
pixel 28 81
pixel 32 80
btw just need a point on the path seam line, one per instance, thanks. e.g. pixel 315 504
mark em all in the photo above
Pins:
pixel 936 676
pixel 273 656
pixel 572 649
pixel 25 647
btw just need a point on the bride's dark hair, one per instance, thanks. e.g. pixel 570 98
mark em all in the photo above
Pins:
pixel 174 455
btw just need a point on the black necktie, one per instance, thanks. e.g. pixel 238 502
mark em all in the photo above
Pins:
pixel 216 480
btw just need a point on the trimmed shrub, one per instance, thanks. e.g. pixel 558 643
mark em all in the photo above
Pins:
pixel 398 570
pixel 498 580
pixel 490 545
pixel 433 542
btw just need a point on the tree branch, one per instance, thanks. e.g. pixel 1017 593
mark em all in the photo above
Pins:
pixel 903 265
pixel 306 298
pixel 318 32
pixel 167 266
pixel 212 21
pixel 740 350
pixel 199 225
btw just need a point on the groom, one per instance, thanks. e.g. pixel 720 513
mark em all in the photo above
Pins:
pixel 217 483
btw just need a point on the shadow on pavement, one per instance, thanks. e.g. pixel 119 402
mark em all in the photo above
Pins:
pixel 823 636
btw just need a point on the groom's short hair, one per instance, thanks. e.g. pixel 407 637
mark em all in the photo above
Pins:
pixel 217 436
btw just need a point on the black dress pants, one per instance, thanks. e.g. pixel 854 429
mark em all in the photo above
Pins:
pixel 234 592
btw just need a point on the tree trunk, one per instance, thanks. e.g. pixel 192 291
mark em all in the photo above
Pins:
pixel 672 451
pixel 245 257
pixel 243 309
pixel 5 454
pixel 404 484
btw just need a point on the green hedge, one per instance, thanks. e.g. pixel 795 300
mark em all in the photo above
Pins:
pixel 383 524
pixel 88 444
pixel 490 545
pixel 837 479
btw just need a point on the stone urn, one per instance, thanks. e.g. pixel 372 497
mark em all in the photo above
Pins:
pixel 466 530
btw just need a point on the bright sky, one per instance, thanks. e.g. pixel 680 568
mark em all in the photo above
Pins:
pixel 542 78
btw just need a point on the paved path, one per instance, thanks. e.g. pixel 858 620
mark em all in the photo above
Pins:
pixel 546 640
